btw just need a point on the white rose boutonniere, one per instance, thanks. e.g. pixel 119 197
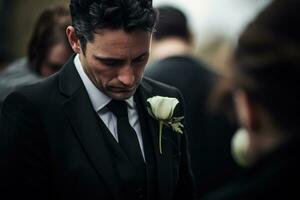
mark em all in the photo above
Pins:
pixel 162 108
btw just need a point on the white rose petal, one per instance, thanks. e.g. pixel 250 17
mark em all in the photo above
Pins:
pixel 162 107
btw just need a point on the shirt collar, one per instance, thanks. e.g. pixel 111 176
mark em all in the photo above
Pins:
pixel 99 99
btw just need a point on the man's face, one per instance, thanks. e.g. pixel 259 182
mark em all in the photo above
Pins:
pixel 115 61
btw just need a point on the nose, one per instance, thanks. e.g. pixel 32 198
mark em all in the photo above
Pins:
pixel 126 75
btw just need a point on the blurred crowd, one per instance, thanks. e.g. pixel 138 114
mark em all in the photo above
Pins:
pixel 47 51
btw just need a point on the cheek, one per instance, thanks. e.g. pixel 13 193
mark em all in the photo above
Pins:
pixel 139 71
pixel 105 77
pixel 96 73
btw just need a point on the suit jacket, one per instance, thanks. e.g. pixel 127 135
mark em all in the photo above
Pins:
pixel 53 145
pixel 209 133
pixel 275 176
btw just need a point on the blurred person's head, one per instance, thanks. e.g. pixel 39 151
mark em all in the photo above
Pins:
pixel 267 79
pixel 172 35
pixel 48 48
pixel 172 23
pixel 112 38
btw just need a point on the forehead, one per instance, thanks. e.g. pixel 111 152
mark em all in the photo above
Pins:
pixel 118 43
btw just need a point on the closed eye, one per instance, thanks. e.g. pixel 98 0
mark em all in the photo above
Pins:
pixel 112 62
pixel 141 58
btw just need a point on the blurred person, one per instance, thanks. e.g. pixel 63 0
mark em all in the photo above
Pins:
pixel 47 51
pixel 265 84
pixel 4 59
pixel 85 132
pixel 174 64
pixel 5 55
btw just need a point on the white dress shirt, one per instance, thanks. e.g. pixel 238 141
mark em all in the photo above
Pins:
pixel 100 100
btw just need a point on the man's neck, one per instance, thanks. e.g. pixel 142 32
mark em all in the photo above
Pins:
pixel 169 47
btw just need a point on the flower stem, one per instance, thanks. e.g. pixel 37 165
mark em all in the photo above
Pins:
pixel 160 135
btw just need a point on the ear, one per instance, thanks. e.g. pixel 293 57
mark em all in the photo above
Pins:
pixel 73 39
pixel 245 110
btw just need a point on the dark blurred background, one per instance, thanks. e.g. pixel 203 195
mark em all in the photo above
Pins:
pixel 17 18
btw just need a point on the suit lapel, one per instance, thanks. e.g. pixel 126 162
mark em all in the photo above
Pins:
pixel 164 160
pixel 85 122
pixel 148 150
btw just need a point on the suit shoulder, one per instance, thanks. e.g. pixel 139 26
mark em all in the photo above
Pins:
pixel 41 87
pixel 37 93
pixel 162 89
pixel 159 85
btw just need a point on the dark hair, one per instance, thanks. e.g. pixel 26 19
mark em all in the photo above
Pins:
pixel 49 30
pixel 268 62
pixel 171 22
pixel 129 15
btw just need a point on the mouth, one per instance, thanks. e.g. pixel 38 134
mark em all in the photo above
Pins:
pixel 122 90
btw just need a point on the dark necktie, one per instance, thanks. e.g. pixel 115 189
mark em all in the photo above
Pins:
pixel 126 134
pixel 129 143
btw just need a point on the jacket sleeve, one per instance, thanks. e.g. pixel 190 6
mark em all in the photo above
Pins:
pixel 23 163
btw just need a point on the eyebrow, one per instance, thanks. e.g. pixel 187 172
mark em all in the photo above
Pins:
pixel 103 59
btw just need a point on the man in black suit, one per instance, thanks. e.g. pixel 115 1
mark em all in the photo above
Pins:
pixel 174 64
pixel 85 132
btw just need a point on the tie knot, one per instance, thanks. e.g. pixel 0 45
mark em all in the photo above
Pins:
pixel 118 108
